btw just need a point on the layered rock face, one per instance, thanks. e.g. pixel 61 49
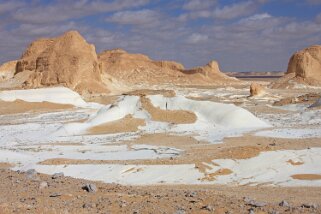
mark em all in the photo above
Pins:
pixel 67 60
pixel 304 67
pixel 138 68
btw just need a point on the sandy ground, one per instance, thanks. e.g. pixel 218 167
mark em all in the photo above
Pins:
pixel 42 194
pixel 199 152
pixel 20 106
pixel 170 116
pixel 127 124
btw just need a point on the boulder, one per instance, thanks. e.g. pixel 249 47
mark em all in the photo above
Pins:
pixel 256 90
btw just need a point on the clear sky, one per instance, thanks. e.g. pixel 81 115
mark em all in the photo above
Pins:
pixel 243 35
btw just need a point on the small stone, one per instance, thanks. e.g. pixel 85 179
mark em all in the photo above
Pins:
pixel 251 211
pixel 57 175
pixel 254 203
pixel 88 205
pixel 54 195
pixel 208 208
pixel 191 194
pixel 31 174
pixel 247 199
pixel 90 188
pixel 309 205
pixel 43 185
pixel 284 204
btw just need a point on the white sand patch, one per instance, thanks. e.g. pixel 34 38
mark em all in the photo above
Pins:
pixel 60 95
pixel 269 168
pixel 302 118
pixel 291 133
pixel 292 107
pixel 273 168
pixel 129 174
pixel 27 156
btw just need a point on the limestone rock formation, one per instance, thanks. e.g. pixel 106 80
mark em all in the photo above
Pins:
pixel 304 68
pixel 209 73
pixel 7 70
pixel 67 60
pixel 140 69
pixel 256 90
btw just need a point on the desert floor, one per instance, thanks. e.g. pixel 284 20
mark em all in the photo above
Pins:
pixel 162 150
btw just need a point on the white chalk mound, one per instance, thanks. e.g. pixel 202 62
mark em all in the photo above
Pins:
pixel 60 95
pixel 218 114
pixel 127 105
pixel 214 120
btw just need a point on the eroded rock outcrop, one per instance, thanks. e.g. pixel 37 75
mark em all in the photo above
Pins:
pixel 304 68
pixel 67 60
pixel 140 69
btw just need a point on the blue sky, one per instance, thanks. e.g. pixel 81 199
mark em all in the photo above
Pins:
pixel 244 35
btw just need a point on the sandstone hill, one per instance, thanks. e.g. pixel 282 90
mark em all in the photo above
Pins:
pixel 67 60
pixel 304 68
pixel 140 69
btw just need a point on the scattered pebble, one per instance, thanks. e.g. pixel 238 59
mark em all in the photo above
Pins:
pixel 90 188
pixel 55 195
pixel 284 204
pixel 31 172
pixel 254 203
pixel 57 175
pixel 208 208
pixel 88 205
pixel 191 194
pixel 309 205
